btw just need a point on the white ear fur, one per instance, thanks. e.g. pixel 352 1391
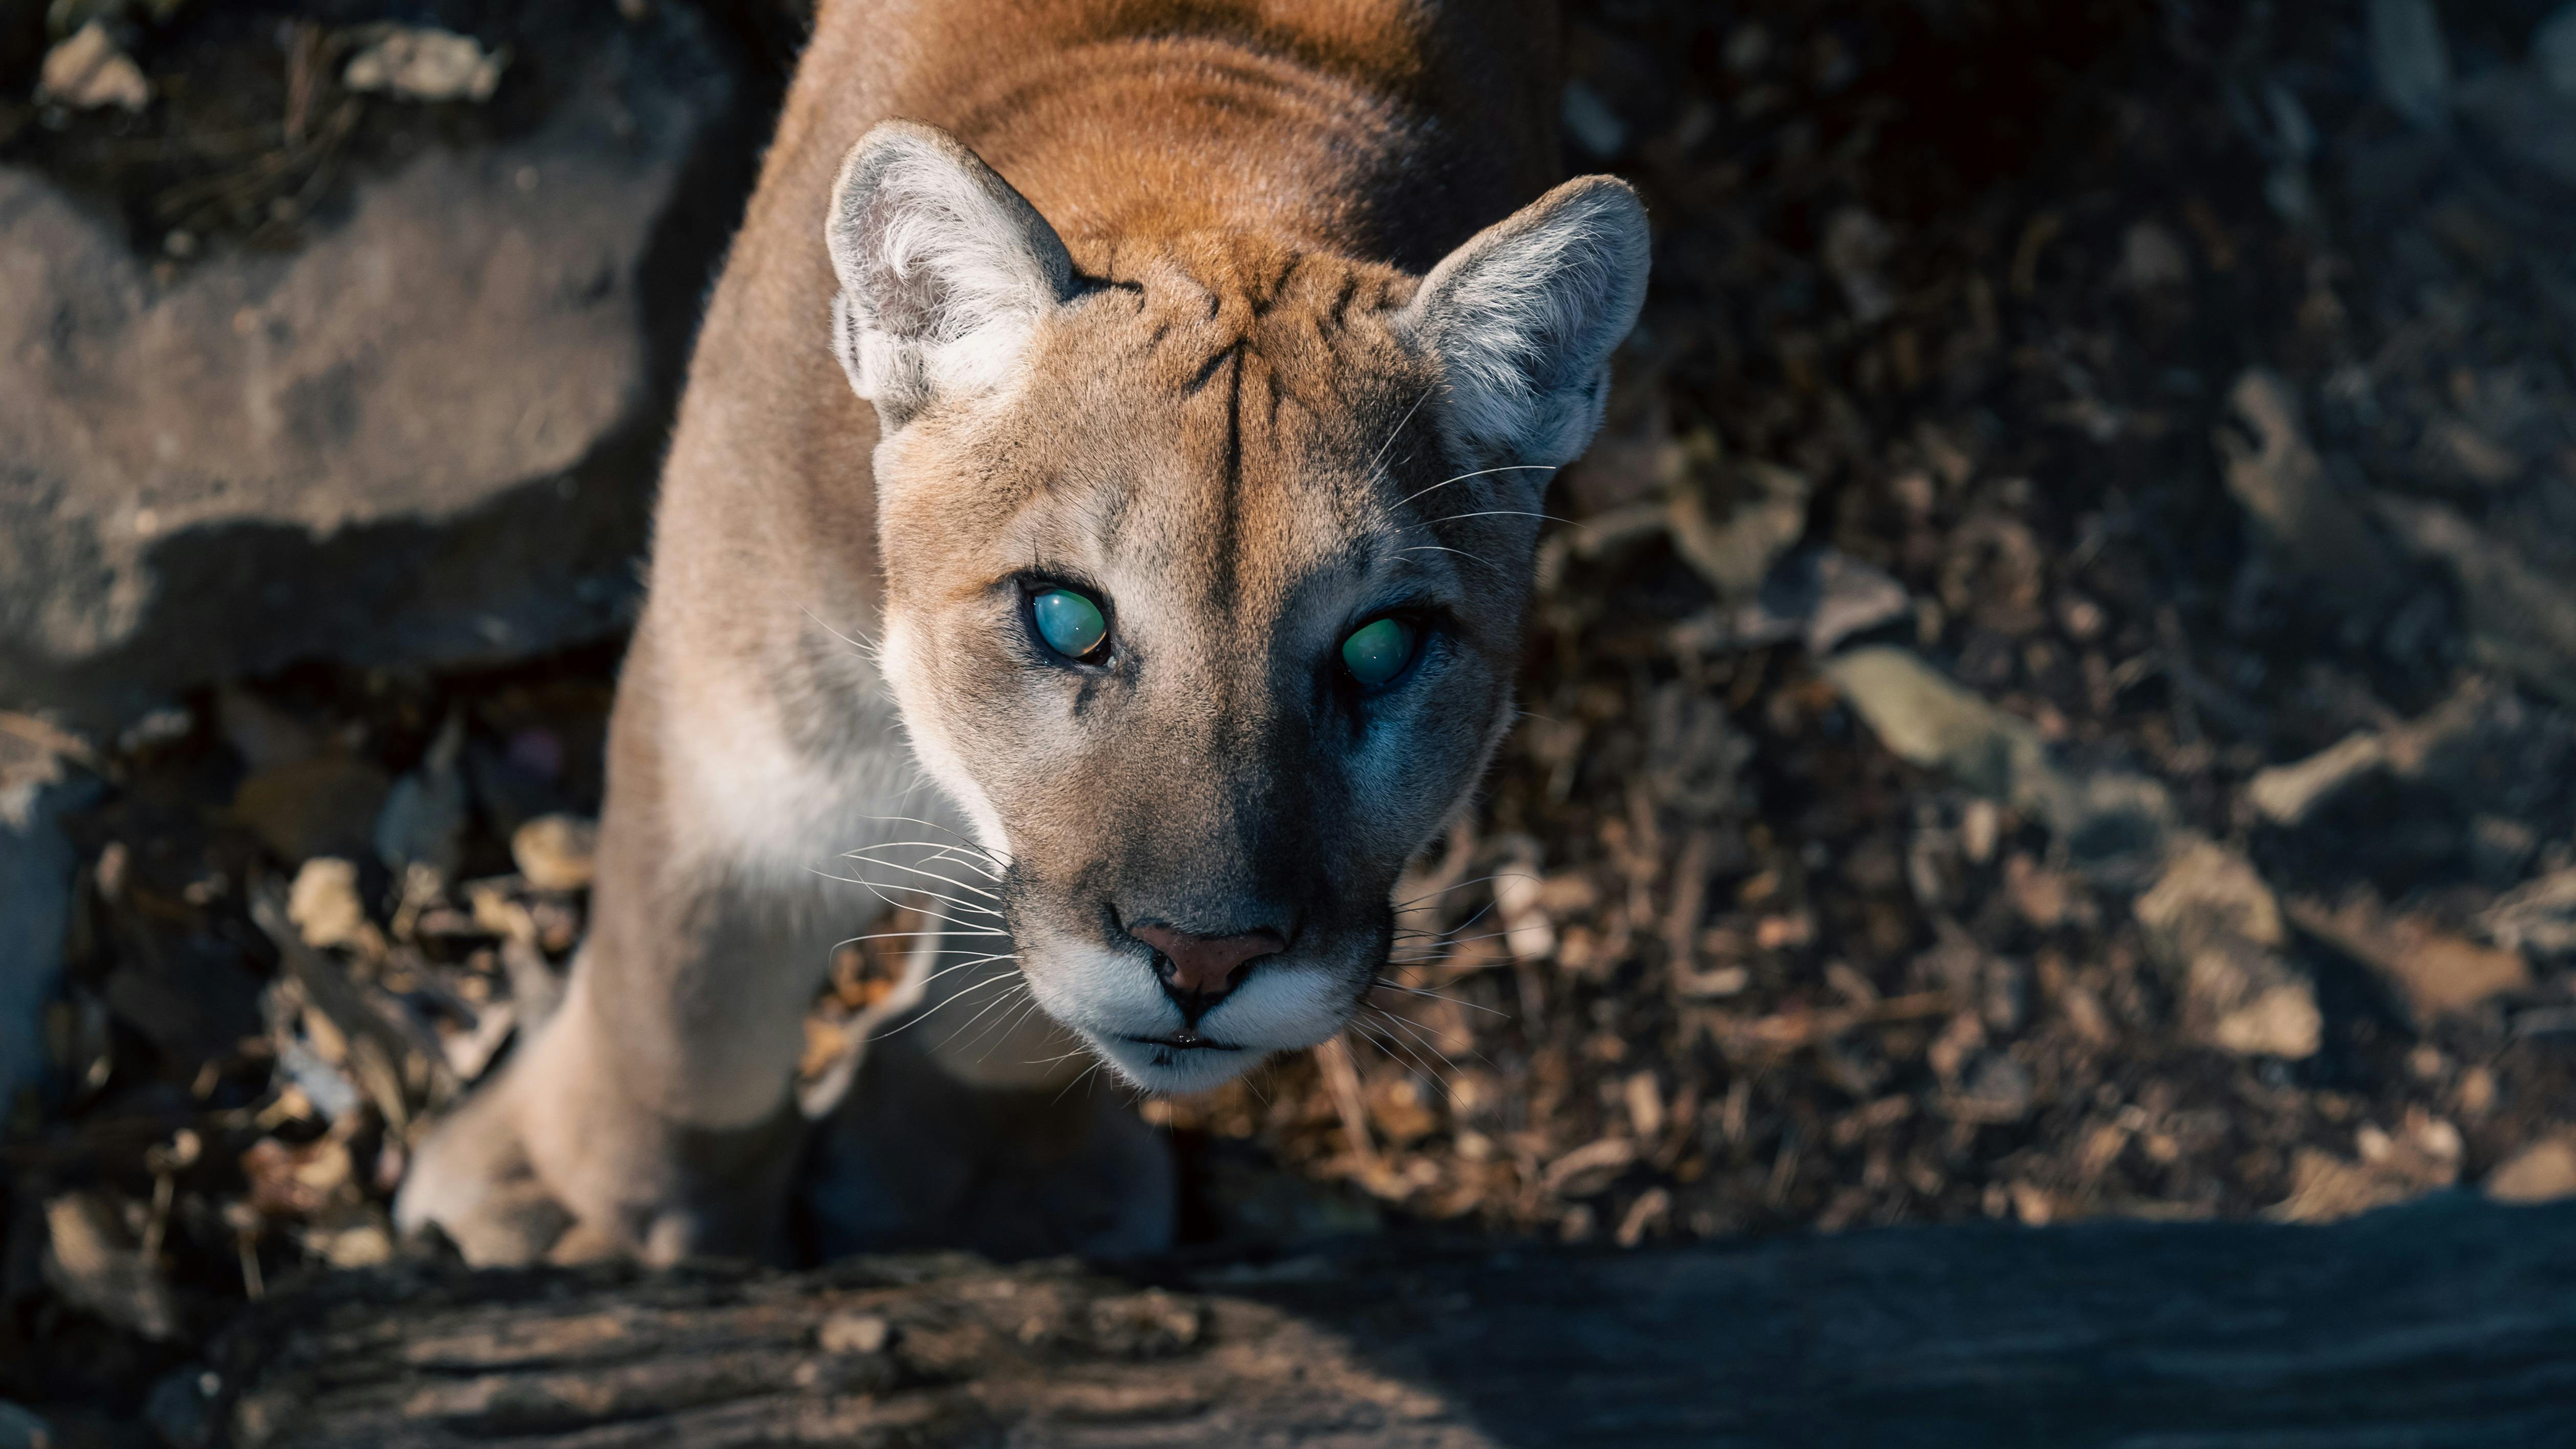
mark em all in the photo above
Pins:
pixel 944 269
pixel 1522 320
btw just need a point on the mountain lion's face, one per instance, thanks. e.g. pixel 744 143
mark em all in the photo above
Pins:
pixel 1205 576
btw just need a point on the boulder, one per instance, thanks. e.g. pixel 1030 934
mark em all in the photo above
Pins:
pixel 37 871
pixel 426 437
pixel 2214 925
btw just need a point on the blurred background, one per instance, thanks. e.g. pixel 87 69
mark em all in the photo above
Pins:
pixel 2055 702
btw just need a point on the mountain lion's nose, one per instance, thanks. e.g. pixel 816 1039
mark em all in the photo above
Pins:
pixel 1198 971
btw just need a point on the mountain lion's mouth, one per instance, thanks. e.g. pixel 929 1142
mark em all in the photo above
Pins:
pixel 1187 1041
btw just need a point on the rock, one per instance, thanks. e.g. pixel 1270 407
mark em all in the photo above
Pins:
pixel 1758 513
pixel 2116 826
pixel 195 999
pixel 1589 1168
pixel 266 737
pixel 853 1333
pixel 2285 794
pixel 324 1085
pixel 327 805
pixel 1928 719
pixel 1591 122
pixel 2209 893
pixel 2150 260
pixel 2212 921
pixel 2543 1172
pixel 356 1238
pixel 1695 756
pixel 87 72
pixel 2521 618
pixel 299 1182
pixel 181 1409
pixel 421 64
pixel 2485 753
pixel 2409 60
pixel 2431 970
pixel 2524 115
pixel 37 868
pixel 325 906
pixel 556 852
pixel 1857 246
pixel 2539 918
pixel 1520 908
pixel 1994 1088
pixel 21 1429
pixel 1821 596
pixel 2553 51
pixel 423 820
pixel 2500 850
pixel 2277 476
pixel 1148 1325
pixel 91 1260
pixel 2250 1015
pixel 2325 1188
pixel 427 437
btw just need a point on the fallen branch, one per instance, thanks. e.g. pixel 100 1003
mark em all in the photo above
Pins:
pixel 2451 1322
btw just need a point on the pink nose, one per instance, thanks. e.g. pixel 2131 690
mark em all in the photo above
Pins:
pixel 1206 966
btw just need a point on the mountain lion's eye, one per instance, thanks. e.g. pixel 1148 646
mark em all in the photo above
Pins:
pixel 1377 651
pixel 1071 625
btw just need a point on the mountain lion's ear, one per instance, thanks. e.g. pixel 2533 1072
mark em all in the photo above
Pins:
pixel 944 269
pixel 1522 320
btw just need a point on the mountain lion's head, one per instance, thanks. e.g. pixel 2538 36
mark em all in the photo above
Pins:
pixel 1205 569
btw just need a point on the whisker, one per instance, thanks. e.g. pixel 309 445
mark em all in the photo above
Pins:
pixel 936 847
pixel 1441 996
pixel 931 875
pixel 1400 1052
pixel 1095 1066
pixel 911 935
pixel 963 965
pixel 1427 1039
pixel 868 651
pixel 1462 885
pixel 1010 1024
pixel 1429 1042
pixel 966 841
pixel 916 890
pixel 1479 473
pixel 1450 935
pixel 1398 430
pixel 914 935
pixel 1007 998
pixel 873 889
pixel 1442 548
pixel 1516 513
pixel 1434 948
pixel 1444 948
pixel 938 851
pixel 959 995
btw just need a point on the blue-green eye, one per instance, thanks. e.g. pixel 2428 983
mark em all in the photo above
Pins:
pixel 1377 651
pixel 1070 624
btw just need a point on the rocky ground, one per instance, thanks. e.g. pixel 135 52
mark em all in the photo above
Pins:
pixel 2054 700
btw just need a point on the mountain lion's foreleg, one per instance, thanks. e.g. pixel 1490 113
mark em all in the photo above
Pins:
pixel 653 1114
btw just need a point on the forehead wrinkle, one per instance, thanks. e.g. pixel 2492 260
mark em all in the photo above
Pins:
pixel 1282 381
pixel 1078 537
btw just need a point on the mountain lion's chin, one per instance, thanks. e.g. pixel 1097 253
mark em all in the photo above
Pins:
pixel 1166 1070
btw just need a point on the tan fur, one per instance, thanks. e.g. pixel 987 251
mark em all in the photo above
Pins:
pixel 1242 421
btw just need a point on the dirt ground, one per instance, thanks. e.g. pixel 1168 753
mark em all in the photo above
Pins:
pixel 2052 700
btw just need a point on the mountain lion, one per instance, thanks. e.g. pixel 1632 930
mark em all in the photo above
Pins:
pixel 1130 416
